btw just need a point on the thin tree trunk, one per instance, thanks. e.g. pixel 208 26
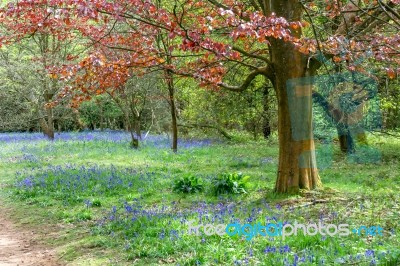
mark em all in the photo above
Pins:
pixel 174 123
pixel 101 116
pixel 137 127
pixel 134 140
pixel 266 117
pixel 50 123
pixel 346 141
pixel 77 118
pixel 126 125
pixel 255 130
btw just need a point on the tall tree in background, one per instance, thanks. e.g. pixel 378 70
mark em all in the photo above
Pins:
pixel 48 42
pixel 132 99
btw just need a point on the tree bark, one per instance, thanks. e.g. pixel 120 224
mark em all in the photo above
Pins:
pixel 101 115
pixel 134 140
pixel 297 162
pixel 78 121
pixel 47 131
pixel 297 167
pixel 137 127
pixel 50 123
pixel 174 123
pixel 266 117
pixel 346 141
pixel 47 125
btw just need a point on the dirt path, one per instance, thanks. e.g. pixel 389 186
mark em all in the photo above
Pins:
pixel 20 247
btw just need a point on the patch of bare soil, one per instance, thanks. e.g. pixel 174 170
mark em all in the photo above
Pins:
pixel 20 247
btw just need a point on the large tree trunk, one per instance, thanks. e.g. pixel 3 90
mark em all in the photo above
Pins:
pixel 297 163
pixel 47 125
pixel 48 131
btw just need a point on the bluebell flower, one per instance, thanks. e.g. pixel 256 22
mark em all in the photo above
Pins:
pixel 88 203
pixel 284 249
pixel 369 253
pixel 270 250
pixel 162 234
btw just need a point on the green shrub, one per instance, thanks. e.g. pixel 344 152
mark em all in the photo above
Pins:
pixel 188 184
pixel 96 203
pixel 230 183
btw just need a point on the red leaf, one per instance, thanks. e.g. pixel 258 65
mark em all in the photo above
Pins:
pixel 391 73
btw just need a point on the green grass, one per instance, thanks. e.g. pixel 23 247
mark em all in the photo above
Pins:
pixel 111 205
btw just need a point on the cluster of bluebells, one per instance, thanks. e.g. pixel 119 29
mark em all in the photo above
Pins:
pixel 282 249
pixel 27 157
pixel 19 137
pixel 113 136
pixel 173 217
pixel 23 158
pixel 109 135
pixel 159 141
pixel 287 257
pixel 284 255
pixel 168 222
pixel 72 181
pixel 370 256
pixel 307 257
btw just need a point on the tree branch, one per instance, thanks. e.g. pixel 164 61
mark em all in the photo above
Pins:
pixel 266 71
pixel 252 55
pixel 218 128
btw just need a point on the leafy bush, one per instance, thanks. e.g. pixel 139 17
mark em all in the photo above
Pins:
pixel 188 184
pixel 230 183
pixel 96 203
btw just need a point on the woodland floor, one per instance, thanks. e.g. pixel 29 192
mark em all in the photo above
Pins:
pixel 72 202
pixel 20 246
